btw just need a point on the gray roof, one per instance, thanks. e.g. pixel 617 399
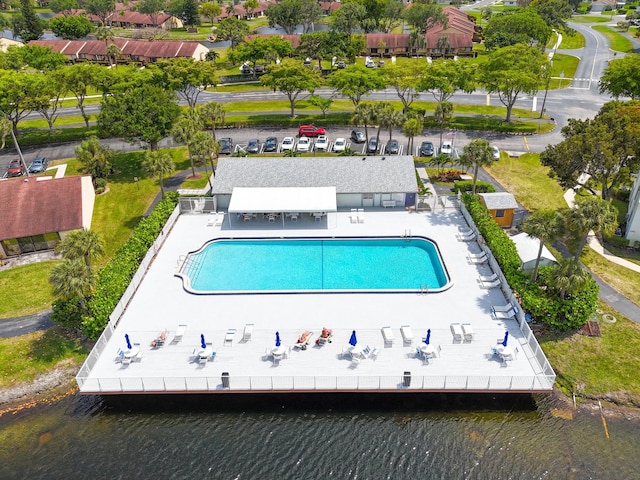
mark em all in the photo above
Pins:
pixel 499 200
pixel 390 174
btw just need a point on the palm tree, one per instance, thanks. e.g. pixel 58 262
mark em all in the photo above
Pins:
pixel 546 226
pixel 114 52
pixel 476 154
pixel 81 244
pixel 185 128
pixel 203 147
pixel 442 114
pixel 158 164
pixel 389 117
pixel 443 45
pixel 72 279
pixel 592 213
pixel 569 276
pixel 411 128
pixel 212 115
pixel 365 114
pixel 106 34
pixel 95 158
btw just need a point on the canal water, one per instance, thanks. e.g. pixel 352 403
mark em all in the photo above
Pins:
pixel 245 437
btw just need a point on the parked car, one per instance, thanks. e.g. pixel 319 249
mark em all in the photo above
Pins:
pixel 38 165
pixel 339 145
pixel 496 152
pixel 372 147
pixel 392 148
pixel 15 169
pixel 358 137
pixel 307 62
pixel 287 143
pixel 322 143
pixel 270 144
pixel 226 146
pixel 446 149
pixel 310 131
pixel 245 69
pixel 341 64
pixel 370 63
pixel 426 149
pixel 259 69
pixel 253 146
pixel 304 144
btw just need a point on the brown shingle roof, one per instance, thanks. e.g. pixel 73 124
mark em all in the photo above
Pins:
pixel 32 207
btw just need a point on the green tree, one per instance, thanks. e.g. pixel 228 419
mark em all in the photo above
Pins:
pixel 72 279
pixel 291 80
pixel 95 158
pixel 412 127
pixel 105 34
pixel 233 30
pixel 322 46
pixel 5 129
pixel 517 26
pixel 442 114
pixel 422 16
pixel 141 114
pixel 355 47
pixel 389 117
pixel 321 102
pixel 158 164
pixel 311 12
pixel 26 24
pixel 210 10
pixel 602 151
pixel 554 12
pixel 621 78
pixel 203 147
pixel 476 154
pixel 513 70
pixel 19 95
pixel 71 28
pixel 569 277
pixel 212 115
pixel 79 78
pixel 286 14
pixel 250 6
pixel 404 77
pixel 546 226
pixel 84 245
pixel 52 88
pixel 348 18
pixel 191 13
pixel 355 81
pixel 101 9
pixel 153 8
pixel 184 129
pixel 66 7
pixel 186 77
pixel 265 49
pixel 35 57
pixel 590 214
pixel 366 115
pixel 114 52
pixel 392 15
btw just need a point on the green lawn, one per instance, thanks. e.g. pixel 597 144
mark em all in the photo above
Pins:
pixel 625 281
pixel 26 289
pixel 589 19
pixel 618 42
pixel 572 41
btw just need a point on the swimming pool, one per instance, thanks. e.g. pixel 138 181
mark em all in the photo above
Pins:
pixel 261 265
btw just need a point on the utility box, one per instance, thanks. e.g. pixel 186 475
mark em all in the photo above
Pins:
pixel 225 379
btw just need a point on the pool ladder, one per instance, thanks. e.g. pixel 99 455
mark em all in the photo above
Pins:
pixel 407 235
pixel 424 289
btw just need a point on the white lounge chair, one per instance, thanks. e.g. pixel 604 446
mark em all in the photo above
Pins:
pixel 228 338
pixel 467 331
pixel 477 259
pixel 387 335
pixel 248 331
pixel 179 333
pixel 219 219
pixel 493 284
pixel 488 278
pixel 407 335
pixel 466 237
pixel 506 311
pixel 212 218
pixel 456 331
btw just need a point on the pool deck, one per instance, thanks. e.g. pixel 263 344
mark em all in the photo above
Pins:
pixel 161 302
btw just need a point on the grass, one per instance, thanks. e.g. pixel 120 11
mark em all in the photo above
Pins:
pixel 575 40
pixel 621 279
pixel 25 357
pixel 589 19
pixel 528 181
pixel 29 287
pixel 595 366
pixel 617 41
pixel 566 64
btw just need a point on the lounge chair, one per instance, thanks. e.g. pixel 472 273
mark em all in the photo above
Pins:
pixel 360 215
pixel 374 353
pixel 488 278
pixel 179 333
pixel 466 237
pixel 503 311
pixel 248 331
pixel 467 331
pixel 456 331
pixel 407 335
pixel 228 338
pixel 387 335
pixel 219 219
pixel 477 259
pixel 493 284
pixel 212 219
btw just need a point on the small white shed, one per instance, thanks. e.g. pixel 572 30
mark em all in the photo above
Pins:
pixel 528 252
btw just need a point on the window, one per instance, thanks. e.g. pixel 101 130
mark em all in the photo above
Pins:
pixel 499 213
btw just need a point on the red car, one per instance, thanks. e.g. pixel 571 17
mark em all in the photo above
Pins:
pixel 15 169
pixel 310 131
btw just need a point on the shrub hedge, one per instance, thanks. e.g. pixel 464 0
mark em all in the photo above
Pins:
pixel 467 186
pixel 539 298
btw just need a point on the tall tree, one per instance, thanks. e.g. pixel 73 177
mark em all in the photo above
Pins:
pixel 569 277
pixel 389 117
pixel 158 164
pixel 412 127
pixel 554 12
pixel 105 34
pixel 66 7
pixel 51 90
pixel 103 9
pixel 546 226
pixel 184 129
pixel 603 151
pixel 203 147
pixel 33 56
pixel 141 114
pixel 444 78
pixel 153 8
pixel 71 28
pixel 85 245
pixel 186 77
pixel 19 95
pixel 286 14
pixel 590 214
pixel 26 24
pixel 621 78
pixel 366 115
pixel 291 80
pixel 95 158
pixel 212 115
pixel 233 30
pixel 191 13
pixel 392 15
pixel 517 26
pixel 511 71
pixel 72 279
pixel 422 16
pixel 476 154
pixel 310 13
pixel 210 10
pixel 79 78
pixel 322 46
pixel 355 81
pixel 263 49
pixel 348 18
pixel 404 77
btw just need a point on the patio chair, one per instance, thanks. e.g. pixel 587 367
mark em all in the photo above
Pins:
pixel 456 331
pixel 477 259
pixel 467 331
pixel 360 217
pixel 493 284
pixel 228 338
pixel 407 335
pixel 387 335
pixel 466 237
pixel 506 311
pixel 179 333
pixel 212 219
pixel 219 219
pixel 374 353
pixel 488 278
pixel 248 331
pixel 366 351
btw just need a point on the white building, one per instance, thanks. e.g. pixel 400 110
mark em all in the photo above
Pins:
pixel 633 213
pixel 528 248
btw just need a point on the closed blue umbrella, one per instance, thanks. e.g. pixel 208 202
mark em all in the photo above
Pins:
pixel 126 337
pixel 202 342
pixel 353 340
pixel 428 337
pixel 506 337
pixel 277 339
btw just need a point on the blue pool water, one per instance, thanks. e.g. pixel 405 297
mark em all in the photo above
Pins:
pixel 353 264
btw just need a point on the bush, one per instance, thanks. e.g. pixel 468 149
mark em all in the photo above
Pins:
pixel 100 185
pixel 467 186
pixel 537 298
pixel 450 176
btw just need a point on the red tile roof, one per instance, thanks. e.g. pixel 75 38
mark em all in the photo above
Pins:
pixel 31 207
pixel 140 48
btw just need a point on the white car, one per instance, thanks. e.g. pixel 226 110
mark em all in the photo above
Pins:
pixel 496 152
pixel 446 149
pixel 322 143
pixel 287 143
pixel 304 144
pixel 339 145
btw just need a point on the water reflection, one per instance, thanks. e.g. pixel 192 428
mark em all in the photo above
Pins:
pixel 344 437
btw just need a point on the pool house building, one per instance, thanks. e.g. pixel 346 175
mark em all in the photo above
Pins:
pixel 352 311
